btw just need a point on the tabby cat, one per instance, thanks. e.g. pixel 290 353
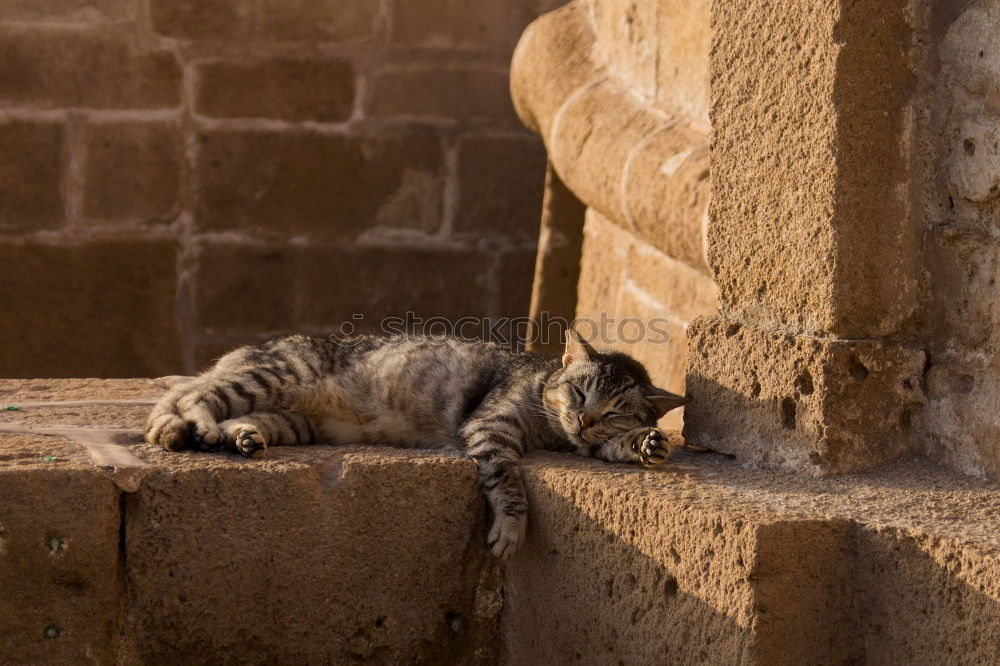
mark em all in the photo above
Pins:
pixel 490 402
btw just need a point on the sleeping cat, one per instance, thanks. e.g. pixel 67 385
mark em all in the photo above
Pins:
pixel 492 403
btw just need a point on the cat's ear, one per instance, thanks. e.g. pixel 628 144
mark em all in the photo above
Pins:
pixel 577 348
pixel 663 401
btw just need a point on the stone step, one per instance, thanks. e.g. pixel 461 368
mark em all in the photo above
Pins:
pixel 335 554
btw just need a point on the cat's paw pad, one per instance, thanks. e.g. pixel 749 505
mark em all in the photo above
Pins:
pixel 653 448
pixel 249 441
pixel 205 436
pixel 506 535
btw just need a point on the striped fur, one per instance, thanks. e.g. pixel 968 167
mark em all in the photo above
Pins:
pixel 491 403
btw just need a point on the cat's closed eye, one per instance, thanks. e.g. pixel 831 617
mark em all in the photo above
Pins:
pixel 577 394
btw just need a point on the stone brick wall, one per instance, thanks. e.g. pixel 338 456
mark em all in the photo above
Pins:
pixel 180 177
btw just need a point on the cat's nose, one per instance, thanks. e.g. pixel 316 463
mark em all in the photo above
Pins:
pixel 585 421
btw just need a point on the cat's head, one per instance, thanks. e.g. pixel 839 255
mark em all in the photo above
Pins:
pixel 599 394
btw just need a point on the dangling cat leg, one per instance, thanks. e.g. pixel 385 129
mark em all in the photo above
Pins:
pixel 259 430
pixel 495 445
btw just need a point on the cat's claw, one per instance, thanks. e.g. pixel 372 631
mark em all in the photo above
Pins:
pixel 249 441
pixel 506 536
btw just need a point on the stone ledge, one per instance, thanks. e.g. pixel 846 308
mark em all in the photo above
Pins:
pixel 340 553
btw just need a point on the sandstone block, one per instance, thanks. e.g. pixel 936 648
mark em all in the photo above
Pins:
pixel 283 88
pixel 323 185
pixel 808 404
pixel 68 67
pixel 641 168
pixel 441 93
pixel 515 274
pixel 463 23
pixel 265 20
pixel 132 171
pixel 59 524
pixel 335 284
pixel 810 229
pixel 75 11
pixel 381 553
pixel 32 157
pixel 245 288
pixel 104 308
pixel 557 265
pixel 502 180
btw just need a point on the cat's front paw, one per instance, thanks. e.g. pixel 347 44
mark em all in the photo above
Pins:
pixel 651 449
pixel 506 535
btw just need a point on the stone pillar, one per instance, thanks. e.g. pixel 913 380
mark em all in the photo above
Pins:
pixel 812 238
pixel 557 267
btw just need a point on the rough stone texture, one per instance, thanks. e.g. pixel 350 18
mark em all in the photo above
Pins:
pixel 812 404
pixel 642 168
pixel 962 210
pixel 78 68
pixel 265 20
pixel 72 11
pixel 557 266
pixel 647 298
pixel 809 166
pixel 375 552
pixel 58 553
pixel 73 298
pixel 132 171
pixel 755 568
pixel 331 554
pixel 311 183
pixel 31 162
pixel 501 186
pixel 225 124
pixel 281 88
pixel 659 48
pixel 463 23
pixel 434 92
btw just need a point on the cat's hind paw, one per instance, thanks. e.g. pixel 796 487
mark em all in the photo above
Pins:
pixel 506 535
pixel 247 439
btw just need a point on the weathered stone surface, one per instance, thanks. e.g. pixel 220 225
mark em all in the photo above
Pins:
pixel 813 404
pixel 961 210
pixel 756 568
pixel 557 265
pixel 265 20
pixel 293 183
pixel 281 88
pixel 73 298
pixel 75 11
pixel 809 167
pixel 461 23
pixel 58 554
pixel 501 184
pixel 70 67
pixel 132 171
pixel 514 277
pixel 32 157
pixel 376 552
pixel 645 170
pixel 658 48
pixel 441 93
pixel 227 273
pixel 335 285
